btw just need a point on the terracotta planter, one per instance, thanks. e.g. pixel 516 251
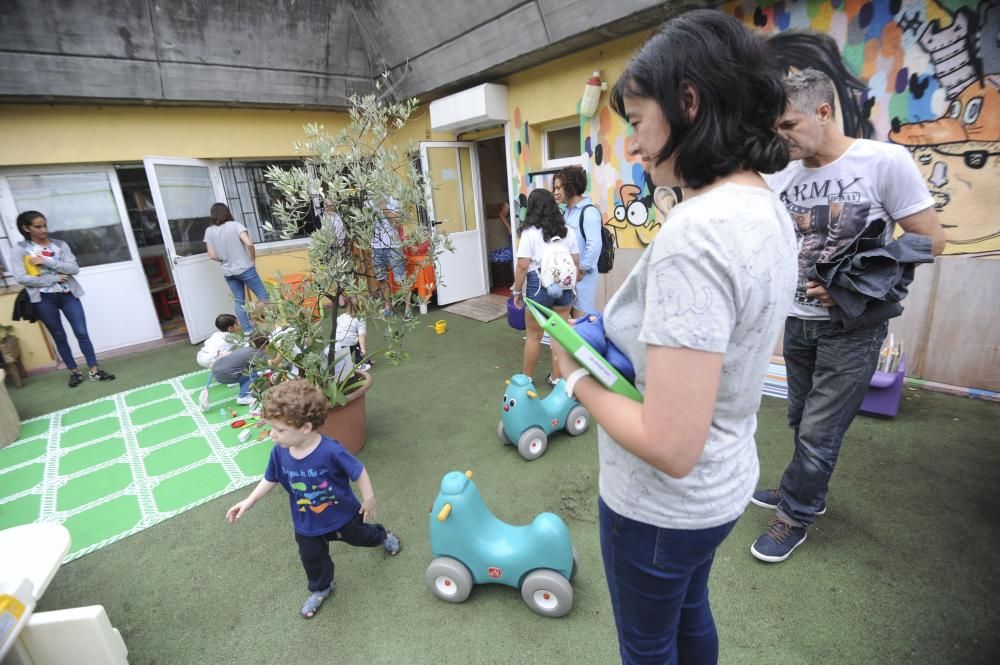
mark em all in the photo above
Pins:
pixel 348 423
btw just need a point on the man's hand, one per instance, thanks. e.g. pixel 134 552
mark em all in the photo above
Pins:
pixel 818 291
pixel 369 509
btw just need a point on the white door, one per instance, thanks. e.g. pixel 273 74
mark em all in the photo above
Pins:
pixel 84 207
pixel 183 193
pixel 455 208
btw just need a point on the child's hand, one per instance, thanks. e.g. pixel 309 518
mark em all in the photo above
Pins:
pixel 369 509
pixel 237 511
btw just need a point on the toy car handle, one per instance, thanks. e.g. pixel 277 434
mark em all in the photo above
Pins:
pixel 584 353
pixel 445 511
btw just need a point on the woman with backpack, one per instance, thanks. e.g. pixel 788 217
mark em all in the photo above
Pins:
pixel 547 260
pixel 570 187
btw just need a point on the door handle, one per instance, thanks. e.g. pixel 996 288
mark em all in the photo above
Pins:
pixel 175 260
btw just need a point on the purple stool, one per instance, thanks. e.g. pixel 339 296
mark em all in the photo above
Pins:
pixel 885 391
pixel 515 316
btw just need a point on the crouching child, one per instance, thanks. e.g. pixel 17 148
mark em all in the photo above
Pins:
pixel 317 473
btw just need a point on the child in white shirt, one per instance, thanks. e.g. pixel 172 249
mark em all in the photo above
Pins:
pixel 352 334
pixel 216 346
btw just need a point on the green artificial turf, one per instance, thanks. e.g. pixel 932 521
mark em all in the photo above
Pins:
pixel 902 569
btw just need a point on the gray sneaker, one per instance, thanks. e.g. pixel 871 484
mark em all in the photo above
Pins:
pixel 771 498
pixel 392 544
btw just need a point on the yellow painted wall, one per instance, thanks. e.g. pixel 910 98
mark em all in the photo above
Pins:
pixel 548 94
pixel 77 134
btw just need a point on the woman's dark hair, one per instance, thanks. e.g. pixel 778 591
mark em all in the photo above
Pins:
pixel 573 180
pixel 221 214
pixel 740 96
pixel 544 212
pixel 801 49
pixel 24 221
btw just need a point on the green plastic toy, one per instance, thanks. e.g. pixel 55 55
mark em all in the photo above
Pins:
pixel 583 352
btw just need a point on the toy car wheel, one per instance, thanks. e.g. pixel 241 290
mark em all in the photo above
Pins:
pixel 547 592
pixel 449 579
pixel 576 565
pixel 532 443
pixel 502 434
pixel 578 420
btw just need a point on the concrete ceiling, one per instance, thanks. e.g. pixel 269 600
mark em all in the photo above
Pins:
pixel 289 53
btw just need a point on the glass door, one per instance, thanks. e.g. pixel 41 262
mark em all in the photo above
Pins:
pixel 453 203
pixel 183 193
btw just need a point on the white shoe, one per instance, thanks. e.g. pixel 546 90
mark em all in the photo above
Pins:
pixel 245 400
pixel 546 339
pixel 203 399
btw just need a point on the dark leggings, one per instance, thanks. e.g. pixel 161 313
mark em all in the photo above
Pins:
pixel 315 550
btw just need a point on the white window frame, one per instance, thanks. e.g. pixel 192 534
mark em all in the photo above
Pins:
pixel 560 161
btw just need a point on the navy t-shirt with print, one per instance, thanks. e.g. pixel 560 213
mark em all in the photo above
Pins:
pixel 318 486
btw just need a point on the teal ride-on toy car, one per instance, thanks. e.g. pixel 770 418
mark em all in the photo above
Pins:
pixel 471 546
pixel 526 420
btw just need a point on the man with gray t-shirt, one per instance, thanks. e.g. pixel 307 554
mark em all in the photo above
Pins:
pixel 835 189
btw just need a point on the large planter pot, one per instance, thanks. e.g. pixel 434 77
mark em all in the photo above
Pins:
pixel 348 424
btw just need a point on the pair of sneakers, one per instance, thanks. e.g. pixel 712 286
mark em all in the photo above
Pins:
pixel 75 378
pixel 781 538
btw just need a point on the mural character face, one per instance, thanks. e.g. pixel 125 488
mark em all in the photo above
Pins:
pixel 650 132
pixel 956 186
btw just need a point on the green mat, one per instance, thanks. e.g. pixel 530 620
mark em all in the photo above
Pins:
pixel 117 465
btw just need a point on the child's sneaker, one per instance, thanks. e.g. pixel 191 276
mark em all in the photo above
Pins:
pixel 203 399
pixel 101 375
pixel 364 367
pixel 392 544
pixel 245 400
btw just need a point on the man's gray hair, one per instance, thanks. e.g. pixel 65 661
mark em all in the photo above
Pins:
pixel 808 88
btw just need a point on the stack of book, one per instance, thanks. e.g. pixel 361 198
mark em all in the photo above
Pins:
pixel 890 355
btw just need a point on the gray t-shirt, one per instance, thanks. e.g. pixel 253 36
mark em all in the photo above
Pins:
pixel 719 277
pixel 226 243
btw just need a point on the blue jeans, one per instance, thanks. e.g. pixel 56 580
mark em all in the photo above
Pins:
pixel 658 580
pixel 314 551
pixel 48 311
pixel 828 376
pixel 236 283
pixel 533 289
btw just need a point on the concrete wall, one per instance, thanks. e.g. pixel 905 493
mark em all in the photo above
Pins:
pixel 254 52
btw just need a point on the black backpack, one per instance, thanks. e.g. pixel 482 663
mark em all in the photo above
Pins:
pixel 606 261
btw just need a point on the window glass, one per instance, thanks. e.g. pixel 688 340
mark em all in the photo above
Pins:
pixel 562 143
pixel 81 211
pixel 250 198
pixel 188 197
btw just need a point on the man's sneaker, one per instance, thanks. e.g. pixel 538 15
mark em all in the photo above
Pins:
pixel 392 544
pixel 75 379
pixel 101 375
pixel 779 541
pixel 771 498
pixel 245 400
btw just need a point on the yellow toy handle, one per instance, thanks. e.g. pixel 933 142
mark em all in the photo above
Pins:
pixel 445 511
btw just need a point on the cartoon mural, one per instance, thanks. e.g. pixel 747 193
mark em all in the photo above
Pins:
pixel 921 73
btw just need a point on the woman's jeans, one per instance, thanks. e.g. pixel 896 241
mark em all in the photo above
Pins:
pixel 236 283
pixel 658 580
pixel 828 376
pixel 48 311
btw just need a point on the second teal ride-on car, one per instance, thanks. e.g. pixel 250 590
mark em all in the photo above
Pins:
pixel 527 420
pixel 471 546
